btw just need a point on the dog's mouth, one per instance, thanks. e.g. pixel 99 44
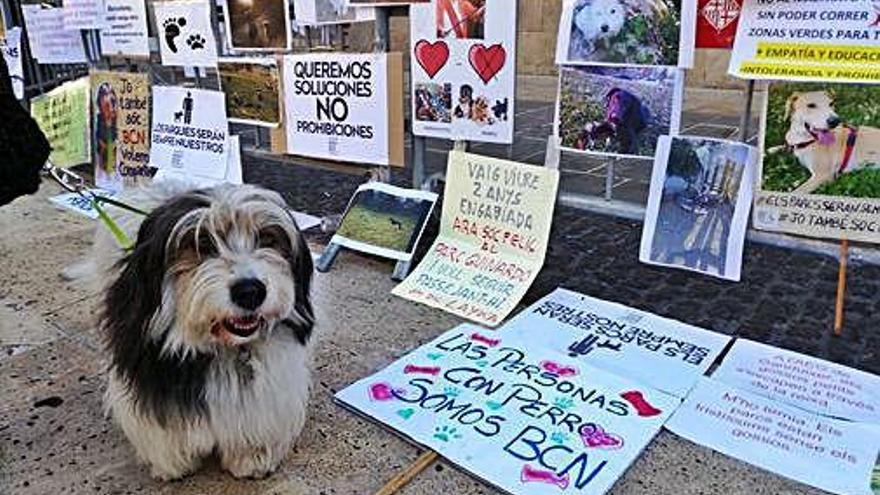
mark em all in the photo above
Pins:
pixel 823 136
pixel 236 328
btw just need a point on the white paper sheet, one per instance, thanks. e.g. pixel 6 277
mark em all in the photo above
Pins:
pixel 185 34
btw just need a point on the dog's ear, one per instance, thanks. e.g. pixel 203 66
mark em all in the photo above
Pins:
pixel 302 269
pixel 611 92
pixel 789 105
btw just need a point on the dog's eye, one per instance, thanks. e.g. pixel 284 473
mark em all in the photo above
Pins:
pixel 272 238
pixel 811 105
pixel 613 11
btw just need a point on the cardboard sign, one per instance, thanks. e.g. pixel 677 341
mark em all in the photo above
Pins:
pixel 610 32
pixel 253 90
pixel 323 12
pixel 662 353
pixel 10 47
pixel 186 38
pixel 189 131
pixel 385 220
pixel 125 29
pixel 521 417
pixel 258 24
pixel 77 203
pixel 820 147
pixel 834 455
pixel 493 238
pixel 63 116
pixel 231 176
pixel 49 41
pixel 716 23
pixel 83 14
pixel 698 205
pixel 823 40
pixel 818 386
pixel 346 107
pixel 463 65
pixel 121 128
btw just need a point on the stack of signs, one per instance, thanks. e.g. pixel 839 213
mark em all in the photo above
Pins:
pixel 620 89
pixel 253 90
pixel 698 206
pixel 345 107
pixel 190 131
pixel 186 38
pixel 49 41
pixel 323 12
pixel 121 129
pixel 63 116
pixel 517 414
pixel 258 25
pixel 464 69
pixel 493 238
pixel 125 29
pixel 807 419
pixel 10 47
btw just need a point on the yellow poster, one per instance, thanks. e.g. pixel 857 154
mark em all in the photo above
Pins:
pixel 493 238
pixel 63 116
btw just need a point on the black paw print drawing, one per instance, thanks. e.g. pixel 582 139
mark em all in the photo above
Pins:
pixel 196 41
pixel 172 31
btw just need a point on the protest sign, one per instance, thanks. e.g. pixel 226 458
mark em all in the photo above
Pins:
pixel 125 29
pixel 526 419
pixel 822 40
pixel 78 203
pixel 464 69
pixel 818 386
pixel 258 24
pixel 385 220
pixel 834 455
pixel 493 238
pixel 10 46
pixel 63 116
pixel 659 32
pixel 49 41
pixel 716 23
pixel 189 131
pixel 321 12
pixel 232 174
pixel 121 128
pixel 185 34
pixel 698 205
pixel 662 353
pixel 345 106
pixel 83 14
pixel 821 147
pixel 253 90
pixel 617 111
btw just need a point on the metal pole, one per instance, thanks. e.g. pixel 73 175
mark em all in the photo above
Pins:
pixel 747 112
pixel 418 151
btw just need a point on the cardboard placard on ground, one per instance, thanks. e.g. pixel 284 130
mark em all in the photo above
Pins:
pixel 49 42
pixel 463 68
pixel 190 131
pixel 819 41
pixel 831 454
pixel 493 238
pixel 63 116
pixel 10 47
pixel 186 38
pixel 563 427
pixel 698 205
pixel 78 203
pixel 662 353
pixel 345 106
pixel 125 29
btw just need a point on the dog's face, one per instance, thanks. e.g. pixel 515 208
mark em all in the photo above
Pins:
pixel 213 269
pixel 813 112
pixel 617 103
pixel 600 19
pixel 465 94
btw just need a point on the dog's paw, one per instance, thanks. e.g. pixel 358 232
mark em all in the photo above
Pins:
pixel 250 463
pixel 163 475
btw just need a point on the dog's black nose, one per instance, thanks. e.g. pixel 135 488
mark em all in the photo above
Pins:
pixel 248 293
pixel 833 122
pixel 605 28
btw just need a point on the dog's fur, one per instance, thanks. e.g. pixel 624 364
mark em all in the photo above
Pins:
pixel 818 138
pixel 194 370
pixel 598 21
pixel 625 117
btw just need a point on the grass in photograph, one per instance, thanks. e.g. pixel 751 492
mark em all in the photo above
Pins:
pixel 377 228
pixel 251 93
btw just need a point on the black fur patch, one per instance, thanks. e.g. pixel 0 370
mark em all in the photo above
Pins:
pixel 301 268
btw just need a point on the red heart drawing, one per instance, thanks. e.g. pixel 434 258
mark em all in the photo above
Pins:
pixel 432 56
pixel 487 61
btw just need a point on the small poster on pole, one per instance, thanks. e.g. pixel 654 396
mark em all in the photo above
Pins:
pixel 258 25
pixel 83 14
pixel 63 116
pixel 716 23
pixel 186 38
pixel 49 41
pixel 125 29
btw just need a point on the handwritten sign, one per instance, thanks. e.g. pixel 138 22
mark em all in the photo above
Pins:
pixel 493 238
pixel 63 116
pixel 524 418
pixel 80 204
pixel 824 40
pixel 83 14
pixel 803 381
pixel 834 455
pixel 49 41
pixel 10 47
pixel 665 354
pixel 125 29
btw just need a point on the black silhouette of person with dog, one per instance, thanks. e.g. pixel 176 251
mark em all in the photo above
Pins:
pixel 187 108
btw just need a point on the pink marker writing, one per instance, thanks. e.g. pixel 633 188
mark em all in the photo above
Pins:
pixel 425 370
pixel 485 340
pixel 381 392
pixel 530 474
pixel 561 370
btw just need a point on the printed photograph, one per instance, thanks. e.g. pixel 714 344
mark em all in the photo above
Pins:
pixel 617 110
pixel 479 109
pixel 460 19
pixel 643 32
pixel 385 220
pixel 822 139
pixel 258 24
pixel 252 91
pixel 698 209
pixel 105 108
pixel 433 102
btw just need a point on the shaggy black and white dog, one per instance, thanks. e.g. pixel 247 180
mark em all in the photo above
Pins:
pixel 208 324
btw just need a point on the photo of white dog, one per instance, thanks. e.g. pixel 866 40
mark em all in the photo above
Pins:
pixel 207 321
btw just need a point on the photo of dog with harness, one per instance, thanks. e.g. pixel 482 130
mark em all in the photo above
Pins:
pixel 822 139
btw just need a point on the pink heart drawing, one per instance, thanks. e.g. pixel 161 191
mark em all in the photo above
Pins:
pixel 383 392
pixel 594 436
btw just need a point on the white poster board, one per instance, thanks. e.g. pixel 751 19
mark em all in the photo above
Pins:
pixel 834 455
pixel 464 69
pixel 186 38
pixel 324 12
pixel 189 131
pixel 83 14
pixel 232 175
pixel 466 395
pixel 49 41
pixel 821 40
pixel 125 29
pixel 77 203
pixel 10 46
pixel 662 353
